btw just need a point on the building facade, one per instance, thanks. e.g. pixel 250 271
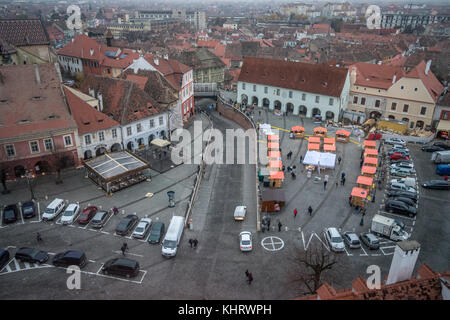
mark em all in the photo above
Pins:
pixel 412 20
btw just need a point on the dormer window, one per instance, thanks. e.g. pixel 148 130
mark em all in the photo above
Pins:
pixel 3 100
pixel 36 98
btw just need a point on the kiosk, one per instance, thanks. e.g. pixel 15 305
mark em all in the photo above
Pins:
pixel 364 182
pixel 320 131
pixel 276 179
pixel 370 161
pixel 370 144
pixel 272 200
pixel 359 196
pixel 329 140
pixel 273 146
pixel 329 148
pixel 298 132
pixel 275 165
pixel 368 171
pixel 342 136
pixel 314 139
pixel 373 153
pixel 273 138
pixel 274 155
pixel 313 146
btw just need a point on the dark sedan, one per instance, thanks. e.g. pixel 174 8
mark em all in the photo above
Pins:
pixel 394 206
pixel 4 258
pixel 437 184
pixel 405 200
pixel 28 209
pixel 121 267
pixel 156 232
pixel 403 194
pixel 10 214
pixel 431 148
pixel 31 255
pixel 442 145
pixel 126 224
pixel 87 215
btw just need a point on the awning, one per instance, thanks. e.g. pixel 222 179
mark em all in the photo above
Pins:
pixel 370 160
pixel 313 146
pixel 343 133
pixel 160 142
pixel 364 180
pixel 370 143
pixel 314 139
pixel 329 147
pixel 324 159
pixel 273 195
pixel 273 137
pixel 274 154
pixel 329 140
pixel 320 129
pixel 359 192
pixel 372 152
pixel 368 169
pixel 277 175
pixel 444 125
pixel 273 145
pixel 298 128
pixel 275 164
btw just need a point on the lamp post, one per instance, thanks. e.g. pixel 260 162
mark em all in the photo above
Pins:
pixel 29 176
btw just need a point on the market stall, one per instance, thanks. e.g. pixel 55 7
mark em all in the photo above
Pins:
pixel 274 155
pixel 272 200
pixel 324 159
pixel 320 131
pixel 370 161
pixel 313 146
pixel 359 196
pixel 117 170
pixel 329 140
pixel 273 146
pixel 368 171
pixel 275 165
pixel 314 139
pixel 364 182
pixel 342 136
pixel 329 148
pixel 276 179
pixel 298 132
pixel 371 153
pixel 273 138
pixel 370 144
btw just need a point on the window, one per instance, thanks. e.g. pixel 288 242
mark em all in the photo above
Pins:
pixel 101 136
pixel 363 101
pixel 87 139
pixel 67 141
pixel 290 94
pixel 138 127
pixel 445 115
pixel 377 103
pixel 128 131
pixel 394 106
pixel 34 146
pixel 114 133
pixel 355 100
pixel 10 152
pixel 152 123
pixel 402 87
pixel 303 96
pixel 161 121
pixel 317 99
pixel 266 89
pixel 243 86
pixel 415 89
pixel 331 101
pixel 423 111
pixel 254 87
pixel 278 92
pixel 405 108
pixel 48 143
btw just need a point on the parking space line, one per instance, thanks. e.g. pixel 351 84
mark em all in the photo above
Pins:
pixel 104 232
pixel 348 254
pixel 388 247
pixel 376 254
pixel 117 278
pixel 397 215
pixel 365 253
pixel 27 265
pixel 16 264
pixel 131 254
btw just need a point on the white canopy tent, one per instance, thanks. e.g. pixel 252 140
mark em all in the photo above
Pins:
pixel 265 128
pixel 325 159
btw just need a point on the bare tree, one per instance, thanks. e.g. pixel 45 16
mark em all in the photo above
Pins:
pixel 309 266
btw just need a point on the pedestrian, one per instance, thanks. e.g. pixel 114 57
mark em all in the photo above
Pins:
pixel 445 178
pixel 246 273
pixel 325 185
pixel 342 175
pixel 337 184
pixel 350 200
pixel 361 163
pixel 268 224
pixel 339 160
pixel 295 212
pixel 195 241
pixel 38 237
pixel 310 210
pixel 115 210
pixel 250 278
pixel 343 181
pixel 191 242
pixel 124 248
pixel 279 226
pixel 283 168
pixel 289 155
pixel 259 115
pixel 301 159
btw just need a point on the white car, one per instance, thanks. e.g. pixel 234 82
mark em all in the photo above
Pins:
pixel 401 172
pixel 142 228
pixel 70 213
pixel 395 141
pixel 335 240
pixel 245 241
pixel 404 165
pixel 402 187
pixel 240 212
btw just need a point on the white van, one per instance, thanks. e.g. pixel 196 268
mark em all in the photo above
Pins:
pixel 173 236
pixel 239 212
pixel 53 209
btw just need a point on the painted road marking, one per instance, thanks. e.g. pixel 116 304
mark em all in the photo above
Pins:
pixel 365 253
pixel 398 215
pixel 16 268
pixel 131 254
pixel 99 273
pixel 272 243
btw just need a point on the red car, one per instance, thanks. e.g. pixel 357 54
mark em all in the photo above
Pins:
pixel 398 156
pixel 87 215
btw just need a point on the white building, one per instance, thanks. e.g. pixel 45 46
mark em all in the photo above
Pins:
pixel 299 88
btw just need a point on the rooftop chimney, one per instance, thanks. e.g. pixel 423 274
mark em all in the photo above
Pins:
pixel 403 262
pixel 166 56
pixel 156 60
pixel 427 68
pixel 36 72
pixel 394 78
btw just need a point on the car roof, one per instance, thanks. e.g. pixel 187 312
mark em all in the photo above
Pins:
pixel 351 235
pixel 158 224
pixel 73 254
pixel 125 261
pixel 333 231
pixel 28 203
pixel 146 220
pixel 371 236
pixel 71 206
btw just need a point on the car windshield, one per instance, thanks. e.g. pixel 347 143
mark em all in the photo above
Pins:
pixel 245 242
pixel 139 229
pixel 169 244
pixel 68 213
pixel 28 209
pixel 49 210
pixel 9 213
pixel 336 239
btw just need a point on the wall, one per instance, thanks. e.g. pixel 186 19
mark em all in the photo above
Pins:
pixel 233 115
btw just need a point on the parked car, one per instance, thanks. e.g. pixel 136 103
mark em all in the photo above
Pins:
pixel 395 141
pixel 240 212
pixel 335 240
pixel 405 165
pixel 121 267
pixel 402 187
pixel 53 209
pixel 442 145
pixel 10 213
pixel 142 228
pixel 409 182
pixel 432 148
pixel 156 232
pixel 126 224
pixel 370 240
pixel 401 193
pixel 28 209
pixel 4 258
pixel 70 258
pixel 392 162
pixel 70 213
pixel 400 223
pixel 401 172
pixel 31 255
pixel 407 201
pixel 396 156
pixel 437 184
pixel 100 218
pixel 443 169
pixel 397 150
pixel 87 215
pixel 394 206
pixel 245 241
pixel 352 240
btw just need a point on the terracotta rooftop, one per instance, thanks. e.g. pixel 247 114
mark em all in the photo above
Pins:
pixel 21 96
pixel 376 76
pixel 88 119
pixel 432 84
pixel 172 69
pixel 314 78
pixel 23 32
pixel 199 59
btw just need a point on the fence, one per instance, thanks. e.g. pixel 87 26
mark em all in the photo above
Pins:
pixel 411 139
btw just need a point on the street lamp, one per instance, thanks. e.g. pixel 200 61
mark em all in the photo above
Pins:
pixel 29 176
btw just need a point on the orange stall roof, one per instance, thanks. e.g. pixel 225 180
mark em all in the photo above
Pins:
pixel 274 154
pixel 329 140
pixel 275 164
pixel 343 133
pixel 370 160
pixel 314 139
pixel 370 143
pixel 313 146
pixel 273 137
pixel 273 145
pixel 279 175
pixel 364 180
pixel 298 128
pixel 373 152
pixel 320 129
pixel 359 192
pixel 329 147
pixel 369 170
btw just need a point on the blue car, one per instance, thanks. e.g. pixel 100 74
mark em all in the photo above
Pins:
pixel 443 169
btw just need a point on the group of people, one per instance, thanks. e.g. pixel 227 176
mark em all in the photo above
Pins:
pixel 193 243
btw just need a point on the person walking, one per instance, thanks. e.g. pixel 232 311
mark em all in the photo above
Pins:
pixel 289 155
pixel 279 226
pixel 38 237
pixel 301 159
pixel 325 181
pixel 124 248
pixel 268 224
pixel 343 181
pixel 310 210
pixel 191 242
pixel 195 241
pixel 350 200
pixel 339 160
pixel 295 212
pixel 250 278
pixel 115 210
pixel 246 273
pixel 361 163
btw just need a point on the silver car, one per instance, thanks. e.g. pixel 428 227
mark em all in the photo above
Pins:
pixel 352 240
pixel 370 240
pixel 245 241
pixel 142 228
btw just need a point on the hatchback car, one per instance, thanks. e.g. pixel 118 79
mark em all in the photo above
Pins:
pixel 403 194
pixel 352 240
pixel 142 228
pixel 28 209
pixel 31 255
pixel 395 162
pixel 70 258
pixel 87 215
pixel 156 232
pixel 401 187
pixel 70 213
pixel 397 156
pixel 335 240
pixel 437 184
pixel 4 258
pixel 10 213
pixel 395 141
pixel 100 218
pixel 442 145
pixel 370 240
pixel 126 224
pixel 407 201
pixel 404 165
pixel 121 267
pixel 432 148
pixel 245 241
pixel 394 206
pixel 401 172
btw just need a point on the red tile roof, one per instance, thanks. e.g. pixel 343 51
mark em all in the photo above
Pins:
pixel 23 32
pixel 19 115
pixel 376 76
pixel 432 84
pixel 172 69
pixel 139 80
pixel 207 43
pixel 88 119
pixel 314 78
